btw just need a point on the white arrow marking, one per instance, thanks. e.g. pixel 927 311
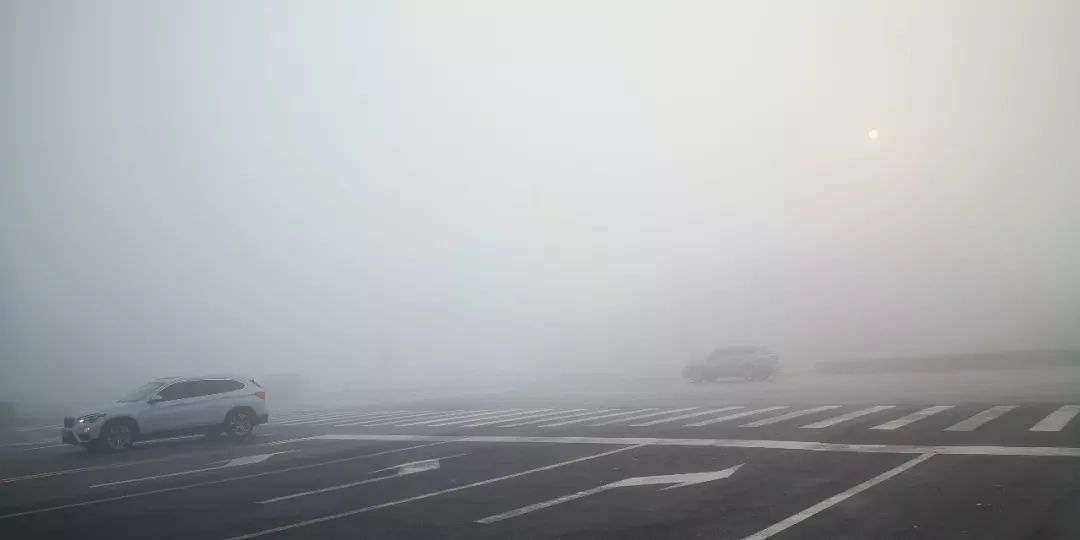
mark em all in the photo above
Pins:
pixel 677 480
pixel 237 462
pixel 404 469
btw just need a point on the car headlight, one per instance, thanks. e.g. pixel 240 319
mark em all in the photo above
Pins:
pixel 91 418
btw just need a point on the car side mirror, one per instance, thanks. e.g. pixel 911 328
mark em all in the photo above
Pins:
pixel 154 400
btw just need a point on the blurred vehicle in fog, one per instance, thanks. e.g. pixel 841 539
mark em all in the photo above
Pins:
pixel 748 363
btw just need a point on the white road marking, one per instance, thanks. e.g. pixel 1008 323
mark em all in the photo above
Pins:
pixel 235 462
pixel 503 415
pixel 400 415
pixel 340 515
pixel 408 417
pixel 735 416
pixel 405 469
pixel 685 416
pixel 350 418
pixel 960 450
pixel 49 446
pixel 828 422
pixel 678 480
pixel 525 417
pixel 561 417
pixel 913 417
pixel 211 482
pixel 600 417
pixel 1058 419
pixel 971 424
pixel 327 418
pixel 788 416
pixel 835 499
pixel 648 415
pixel 459 416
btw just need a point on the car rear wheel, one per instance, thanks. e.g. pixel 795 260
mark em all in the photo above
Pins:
pixel 239 423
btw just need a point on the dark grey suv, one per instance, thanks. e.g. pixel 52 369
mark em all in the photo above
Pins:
pixel 749 363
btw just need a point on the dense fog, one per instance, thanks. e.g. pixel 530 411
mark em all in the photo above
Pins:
pixel 451 193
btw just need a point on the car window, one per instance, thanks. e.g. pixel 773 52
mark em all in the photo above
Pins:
pixel 142 392
pixel 208 387
pixel 179 390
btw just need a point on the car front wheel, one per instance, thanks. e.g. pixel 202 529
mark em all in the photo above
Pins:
pixel 115 436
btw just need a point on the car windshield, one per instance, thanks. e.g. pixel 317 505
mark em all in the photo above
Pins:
pixel 141 392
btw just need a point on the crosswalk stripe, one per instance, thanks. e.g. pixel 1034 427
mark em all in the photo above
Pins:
pixel 913 417
pixel 788 416
pixel 350 418
pixel 390 419
pixel 503 414
pixel 685 416
pixel 600 417
pixel 381 417
pixel 523 416
pixel 980 418
pixel 542 420
pixel 460 416
pixel 648 415
pixel 1058 419
pixel 735 416
pixel 845 417
pixel 313 419
pixel 446 415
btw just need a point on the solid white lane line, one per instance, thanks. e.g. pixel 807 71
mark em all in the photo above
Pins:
pixel 428 495
pixel 235 462
pixel 1058 419
pixel 845 417
pixel 601 417
pixel 560 417
pixel 913 417
pixel 685 416
pixel 525 417
pixel 961 450
pixel 460 416
pixel 648 415
pixel 490 417
pixel 973 423
pixel 404 469
pixel 793 414
pixel 31 443
pixel 835 499
pixel 39 428
pixel 404 418
pixel 735 416
pixel 215 482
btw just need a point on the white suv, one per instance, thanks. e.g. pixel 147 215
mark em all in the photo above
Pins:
pixel 172 406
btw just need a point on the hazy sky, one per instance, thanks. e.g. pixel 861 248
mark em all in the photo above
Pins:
pixel 380 189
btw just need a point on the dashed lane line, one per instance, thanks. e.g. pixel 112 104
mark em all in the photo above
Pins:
pixel 913 417
pixel 973 423
pixel 215 482
pixel 828 422
pixel 788 416
pixel 1058 419
pixel 340 515
pixel 685 416
pixel 735 416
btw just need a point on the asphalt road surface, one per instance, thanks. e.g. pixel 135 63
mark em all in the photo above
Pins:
pixel 820 458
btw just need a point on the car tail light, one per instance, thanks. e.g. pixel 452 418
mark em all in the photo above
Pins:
pixel 260 394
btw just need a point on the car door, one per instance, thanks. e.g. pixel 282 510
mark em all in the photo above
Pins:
pixel 217 400
pixel 169 409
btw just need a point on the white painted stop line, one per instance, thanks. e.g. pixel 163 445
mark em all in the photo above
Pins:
pixel 237 462
pixel 1057 419
pixel 676 481
pixel 913 417
pixel 828 422
pixel 794 414
pixel 971 424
